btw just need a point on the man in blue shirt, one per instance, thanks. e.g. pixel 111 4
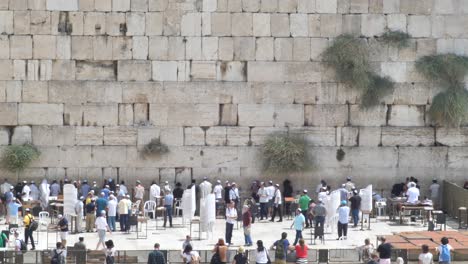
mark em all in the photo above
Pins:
pixel 101 202
pixel 281 249
pixel 299 224
pixel 168 202
pixel 106 192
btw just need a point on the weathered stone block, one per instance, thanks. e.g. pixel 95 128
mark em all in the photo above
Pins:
pixel 140 114
pixel 154 23
pixel 40 114
pixel 241 24
pixel 121 5
pixel 13 91
pixel 103 5
pixel 457 158
pixel 216 136
pixel 317 47
pixel 283 72
pixel 4 47
pixel 184 114
pixel 20 47
pixel 391 6
pixel 134 70
pixel 423 157
pixel 244 48
pixel 165 70
pixel 326 6
pixel 6 23
pixel 140 48
pixel 4 136
pixel 120 136
pixel 289 115
pixel 351 24
pixel 19 70
pixel 238 136
pixel 125 114
pixel 73 115
pixel 108 156
pixel 279 25
pixel 35 92
pixel 221 24
pixel 347 136
pixel 135 24
pixel 256 115
pixel 140 92
pixel 122 48
pixel 139 5
pixel 283 49
pixel 193 48
pixel 373 117
pixel 157 5
pixel 317 136
pixel 76 20
pixel 330 25
pixel 261 25
pixel 226 49
pixel 326 115
pixel 301 49
pixel 22 22
pixel 63 70
pixel 89 135
pixel 53 135
pixel 299 24
pixel 191 24
pixel 404 115
pixel 203 70
pixel 100 115
pixel 82 48
pixel 370 136
pixel 268 6
pixel 62 5
pixel 94 23
pixel 422 7
pixel 452 136
pixel 63 48
pixel 372 25
pixel 209 5
pixel 194 136
pixel 396 22
pixel 264 49
pixel 21 135
pixel 419 26
pixel 158 47
pixel 250 5
pixel 210 48
pixel 408 136
pixel 95 70
pixel 234 71
pixel 359 6
pixel 395 70
pixel 314 25
pixel 102 47
pixel 176 48
pixel 115 24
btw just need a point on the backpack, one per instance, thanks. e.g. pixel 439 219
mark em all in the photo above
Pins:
pixel 23 246
pixel 444 253
pixel 109 258
pixel 33 224
pixel 279 251
pixel 57 258
pixel 195 259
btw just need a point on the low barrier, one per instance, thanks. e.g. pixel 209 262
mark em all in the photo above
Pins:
pixel 454 197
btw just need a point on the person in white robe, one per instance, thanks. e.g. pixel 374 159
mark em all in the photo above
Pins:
pixel 34 191
pixel 155 192
pixel 45 192
pixel 205 188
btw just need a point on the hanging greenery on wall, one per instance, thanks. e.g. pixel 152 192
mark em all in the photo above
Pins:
pixel 155 147
pixel 285 154
pixel 18 157
pixel 449 107
pixel 349 57
pixel 396 38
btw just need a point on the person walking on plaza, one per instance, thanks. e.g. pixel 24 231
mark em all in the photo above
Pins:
pixel 28 232
pixel 385 251
pixel 343 216
pixel 123 213
pixel 320 212
pixel 190 256
pixel 241 257
pixel 63 228
pixel 102 227
pixel 80 251
pixel 301 252
pixel 281 248
pixel 231 218
pixel 90 215
pixel 112 212
pixel 263 194
pixel 59 254
pixel 221 250
pixel 304 204
pixel 299 224
pixel 156 256
pixel 247 225
pixel 168 203
pixel 355 207
pixel 445 251
pixel 277 203
pixel 366 251
pixel 261 254
pixel 110 252
pixel 425 257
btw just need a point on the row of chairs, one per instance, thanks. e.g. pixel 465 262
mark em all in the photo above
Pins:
pixel 153 208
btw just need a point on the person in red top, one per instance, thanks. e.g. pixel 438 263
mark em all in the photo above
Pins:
pixel 247 223
pixel 301 252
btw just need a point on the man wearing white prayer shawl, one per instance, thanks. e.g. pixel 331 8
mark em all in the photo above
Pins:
pixel 45 191
pixel 205 188
pixel 155 192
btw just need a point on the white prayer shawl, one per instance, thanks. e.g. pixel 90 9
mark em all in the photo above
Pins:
pixel 26 192
pixel 155 191
pixel 205 189
pixel 45 191
pixel 34 192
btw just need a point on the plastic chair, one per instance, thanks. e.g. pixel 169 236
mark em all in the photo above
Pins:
pixel 381 206
pixel 149 207
pixel 178 207
pixel 136 207
pixel 43 218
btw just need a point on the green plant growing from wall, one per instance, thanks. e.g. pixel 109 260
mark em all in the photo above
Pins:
pixel 449 107
pixel 155 148
pixel 396 38
pixel 18 157
pixel 349 57
pixel 285 154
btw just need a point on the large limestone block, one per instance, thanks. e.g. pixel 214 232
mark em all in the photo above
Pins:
pixel 125 114
pixel 20 47
pixel 100 115
pixel 408 136
pixel 4 136
pixel 121 5
pixel 115 24
pixel 184 114
pixel 171 136
pixel 326 115
pixel 283 72
pixel 139 5
pixel 371 117
pixel 194 136
pixel 268 6
pixel 22 22
pixel 238 136
pixel 191 24
pixel 261 24
pixel 140 92
pixel 77 23
pixel 120 135
pixel 226 49
pixel 372 24
pixel 140 48
pixel 103 92
pixel 89 135
pixel 256 115
pixel 287 6
pixel 423 157
pixel 49 157
pixel 268 93
pixel 242 24
pixel 4 47
pixel 165 70
pixel 21 135
pixel 210 48
pixel 289 115
pixel 140 114
pixel 351 24
pixel 314 25
pixel 347 136
pixel 301 49
pixel 203 70
pixel 264 49
pixel 279 25
pixel 452 136
pixel 95 70
pixel 136 24
pixel 250 5
pixel 299 25
pixel 457 158
pixel 216 136
pixel 157 5
pixel 94 23
pixel 419 26
pixel 220 157
pixel 379 157
pixel 82 48
pixel 228 115
pixel 283 49
pixel 370 136
pixel 455 26
pixel 395 70
pixel 359 6
pixel 221 24
pixel 108 156
pixel 193 48
pixel 53 135
pixel 40 114
pixel 6 22
pixel 244 48
pixel 421 7
pixel 134 70
pixel 67 92
pixel 396 22
pixel 176 48
pixel 317 136
pixel 155 22
pixel 411 94
pixel 13 91
pixel 62 5
pixel 403 115
pixel 122 48
pixel 73 115
pixel 234 71
pixel 63 47
pixel 35 92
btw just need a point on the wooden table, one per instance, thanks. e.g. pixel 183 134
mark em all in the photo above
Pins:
pixel 423 210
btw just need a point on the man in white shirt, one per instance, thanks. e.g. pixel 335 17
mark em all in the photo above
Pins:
pixel 231 218
pixel 218 191
pixel 277 203
pixel 412 194
pixel 102 227
pixel 434 193
pixel 111 212
pixel 271 192
pixel 155 192
pixel 349 185
pixel 25 192
pixel 234 194
pixel 205 188
pixel 263 197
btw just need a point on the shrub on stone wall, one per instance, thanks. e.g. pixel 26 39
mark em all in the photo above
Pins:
pixel 449 107
pixel 349 57
pixel 155 148
pixel 396 38
pixel 285 154
pixel 17 157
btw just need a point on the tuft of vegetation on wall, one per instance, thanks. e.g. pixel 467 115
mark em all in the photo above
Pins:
pixel 18 157
pixel 284 154
pixel 396 38
pixel 155 148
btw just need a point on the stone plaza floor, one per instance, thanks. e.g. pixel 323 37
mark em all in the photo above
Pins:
pixel 172 238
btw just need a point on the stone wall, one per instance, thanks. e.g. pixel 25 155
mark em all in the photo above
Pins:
pixel 90 82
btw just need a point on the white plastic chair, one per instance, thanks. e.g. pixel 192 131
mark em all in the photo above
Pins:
pixel 43 219
pixel 136 207
pixel 178 207
pixel 149 207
